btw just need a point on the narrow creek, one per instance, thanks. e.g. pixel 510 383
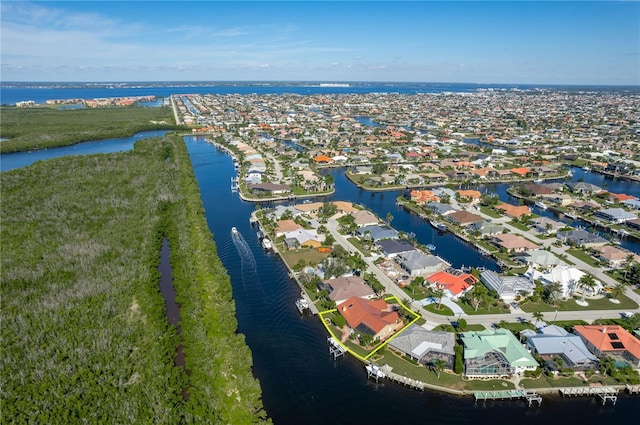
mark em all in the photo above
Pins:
pixel 173 308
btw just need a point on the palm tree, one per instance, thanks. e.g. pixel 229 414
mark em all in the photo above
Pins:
pixel 439 294
pixel 587 281
pixel 438 365
pixel 628 265
pixel 538 316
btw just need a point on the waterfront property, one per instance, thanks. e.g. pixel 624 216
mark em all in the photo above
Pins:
pixel 424 346
pixel 342 288
pixel 375 318
pixel 494 354
pixel 552 341
pixel 507 287
pixel 611 340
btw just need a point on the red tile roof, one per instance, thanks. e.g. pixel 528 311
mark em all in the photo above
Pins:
pixel 375 314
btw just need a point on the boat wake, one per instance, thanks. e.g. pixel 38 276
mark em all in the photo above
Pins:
pixel 248 266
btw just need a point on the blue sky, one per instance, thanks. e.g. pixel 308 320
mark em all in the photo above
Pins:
pixel 541 42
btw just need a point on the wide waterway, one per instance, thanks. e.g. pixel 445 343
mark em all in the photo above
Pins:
pixel 300 381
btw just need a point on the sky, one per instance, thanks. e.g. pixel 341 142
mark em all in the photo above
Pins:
pixel 519 42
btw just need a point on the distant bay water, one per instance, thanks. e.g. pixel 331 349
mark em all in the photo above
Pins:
pixel 12 92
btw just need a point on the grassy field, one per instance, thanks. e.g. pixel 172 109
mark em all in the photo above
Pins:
pixel 307 255
pixel 603 303
pixel 84 331
pixel 39 128
pixel 581 255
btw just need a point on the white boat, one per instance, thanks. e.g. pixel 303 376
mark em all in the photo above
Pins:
pixel 586 169
pixel 234 231
pixel 302 304
pixel 538 180
pixel 266 243
pixel 439 226
pixel 541 205
pixel 431 247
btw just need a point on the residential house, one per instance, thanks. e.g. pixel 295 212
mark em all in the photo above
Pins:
pixel 615 215
pixel 539 259
pixel 513 211
pixel 580 237
pixel 472 196
pixel 494 353
pixel 513 243
pixel 364 218
pixel 391 248
pixel 614 256
pixel 552 341
pixel 269 188
pixel 464 218
pixel 486 228
pixel 507 287
pixel 568 278
pixel 377 233
pixel 611 340
pixel 545 225
pixel 632 203
pixel 454 284
pixel 425 346
pixel 416 263
pixel 439 208
pixel 303 237
pixel 342 288
pixel 370 317
pixel 522 172
pixel 286 226
pixel 423 196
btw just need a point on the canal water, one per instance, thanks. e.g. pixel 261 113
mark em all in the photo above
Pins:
pixel 301 383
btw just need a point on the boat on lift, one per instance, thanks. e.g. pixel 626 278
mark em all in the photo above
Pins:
pixel 266 243
pixel 302 304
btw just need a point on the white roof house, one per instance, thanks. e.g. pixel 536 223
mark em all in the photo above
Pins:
pixel 565 275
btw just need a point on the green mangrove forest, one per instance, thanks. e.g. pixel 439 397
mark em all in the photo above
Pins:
pixel 48 127
pixel 85 337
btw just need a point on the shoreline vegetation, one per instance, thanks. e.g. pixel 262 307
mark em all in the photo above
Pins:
pixel 85 335
pixel 27 129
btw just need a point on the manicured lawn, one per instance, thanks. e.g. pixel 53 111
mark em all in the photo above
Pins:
pixel 519 225
pixel 308 255
pixel 490 212
pixel 583 256
pixel 443 310
pixel 570 305
pixel 483 309
pixel 517 327
pixel 417 292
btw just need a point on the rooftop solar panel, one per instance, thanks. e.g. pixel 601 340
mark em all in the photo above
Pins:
pixel 617 345
pixel 613 335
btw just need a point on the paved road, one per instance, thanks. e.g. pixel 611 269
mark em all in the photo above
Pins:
pixel 486 320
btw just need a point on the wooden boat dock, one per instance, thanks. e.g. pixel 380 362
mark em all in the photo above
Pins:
pixel 529 396
pixel 604 393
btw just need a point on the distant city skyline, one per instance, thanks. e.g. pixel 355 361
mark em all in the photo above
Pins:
pixel 516 42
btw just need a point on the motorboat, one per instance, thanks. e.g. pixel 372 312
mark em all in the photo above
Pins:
pixel 302 304
pixel 266 243
pixel 541 205
pixel 431 247
pixel 439 226
pixel 234 231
